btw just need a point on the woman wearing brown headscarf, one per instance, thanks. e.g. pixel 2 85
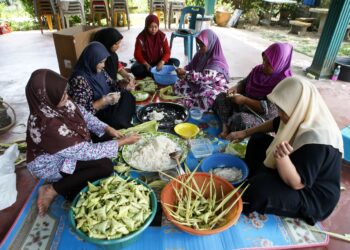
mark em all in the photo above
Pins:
pixel 58 138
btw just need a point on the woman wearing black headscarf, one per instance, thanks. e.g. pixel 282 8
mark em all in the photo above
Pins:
pixel 59 149
pixel 92 87
pixel 111 39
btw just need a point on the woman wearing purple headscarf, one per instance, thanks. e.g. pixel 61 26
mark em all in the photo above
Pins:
pixel 245 105
pixel 206 76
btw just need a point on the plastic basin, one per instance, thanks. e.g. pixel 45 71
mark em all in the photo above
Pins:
pixel 222 160
pixel 186 130
pixel 169 197
pixel 166 76
pixel 114 243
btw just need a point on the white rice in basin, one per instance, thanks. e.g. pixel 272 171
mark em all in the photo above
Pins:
pixel 152 154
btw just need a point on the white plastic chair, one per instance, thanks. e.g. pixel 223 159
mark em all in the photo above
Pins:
pixel 69 8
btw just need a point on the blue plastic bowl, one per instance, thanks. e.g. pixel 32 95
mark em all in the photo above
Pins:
pixel 116 243
pixel 165 76
pixel 221 160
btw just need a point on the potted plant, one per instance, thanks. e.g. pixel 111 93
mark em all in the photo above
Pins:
pixel 223 12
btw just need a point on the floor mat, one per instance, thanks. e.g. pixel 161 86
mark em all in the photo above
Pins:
pixel 251 232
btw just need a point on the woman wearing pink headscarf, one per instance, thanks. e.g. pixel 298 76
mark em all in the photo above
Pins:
pixel 206 76
pixel 245 105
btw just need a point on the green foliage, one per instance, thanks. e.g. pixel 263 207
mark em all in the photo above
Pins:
pixel 195 3
pixel 224 5
pixel 28 6
pixel 2 8
pixel 23 26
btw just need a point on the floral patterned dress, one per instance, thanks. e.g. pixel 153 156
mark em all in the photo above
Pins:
pixel 201 88
pixel 81 92
pixel 48 166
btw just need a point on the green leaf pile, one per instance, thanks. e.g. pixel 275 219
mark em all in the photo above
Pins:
pixel 115 208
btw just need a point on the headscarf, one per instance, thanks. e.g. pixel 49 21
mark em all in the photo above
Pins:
pixel 92 55
pixel 214 57
pixel 279 56
pixel 310 121
pixel 51 129
pixel 108 37
pixel 152 44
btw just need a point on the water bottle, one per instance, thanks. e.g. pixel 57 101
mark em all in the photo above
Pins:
pixel 336 73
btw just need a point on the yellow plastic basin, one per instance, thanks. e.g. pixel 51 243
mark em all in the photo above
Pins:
pixel 186 130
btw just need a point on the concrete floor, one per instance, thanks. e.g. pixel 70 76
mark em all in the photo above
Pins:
pixel 23 52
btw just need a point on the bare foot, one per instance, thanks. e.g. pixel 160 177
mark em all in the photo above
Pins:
pixel 46 195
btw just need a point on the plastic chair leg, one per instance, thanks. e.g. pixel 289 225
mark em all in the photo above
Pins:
pixel 171 41
pixel 114 19
pixel 190 48
pixel 124 18
pixel 186 46
pixel 49 22
pixel 58 20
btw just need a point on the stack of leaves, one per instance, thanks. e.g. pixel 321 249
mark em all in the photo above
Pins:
pixel 147 84
pixel 146 127
pixel 237 149
pixel 115 208
pixel 167 93
pixel 201 208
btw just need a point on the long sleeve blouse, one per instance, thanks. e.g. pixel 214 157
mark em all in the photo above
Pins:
pixel 82 94
pixel 140 56
pixel 48 166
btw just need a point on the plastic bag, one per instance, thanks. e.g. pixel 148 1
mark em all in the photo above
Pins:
pixel 8 189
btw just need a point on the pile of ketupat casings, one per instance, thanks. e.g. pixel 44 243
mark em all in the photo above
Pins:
pixel 115 208
pixel 167 93
pixel 197 210
pixel 149 127
pixel 147 84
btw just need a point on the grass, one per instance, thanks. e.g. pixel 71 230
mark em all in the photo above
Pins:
pixel 303 44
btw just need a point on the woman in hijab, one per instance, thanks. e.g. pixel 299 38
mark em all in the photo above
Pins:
pixel 92 87
pixel 151 49
pixel 111 39
pixel 297 172
pixel 206 76
pixel 246 105
pixel 59 150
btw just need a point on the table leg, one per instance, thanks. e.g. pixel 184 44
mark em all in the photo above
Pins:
pixel 321 25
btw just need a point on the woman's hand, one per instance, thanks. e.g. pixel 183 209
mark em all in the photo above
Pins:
pixel 131 85
pixel 232 90
pixel 114 133
pixel 237 136
pixel 148 67
pixel 181 73
pixel 129 139
pixel 238 98
pixel 112 98
pixel 160 65
pixel 282 150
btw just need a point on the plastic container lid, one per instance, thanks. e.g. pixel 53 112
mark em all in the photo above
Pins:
pixel 201 147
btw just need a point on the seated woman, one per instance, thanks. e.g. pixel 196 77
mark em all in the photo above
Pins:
pixel 206 76
pixel 151 49
pixel 246 105
pixel 111 39
pixel 59 150
pixel 297 172
pixel 91 87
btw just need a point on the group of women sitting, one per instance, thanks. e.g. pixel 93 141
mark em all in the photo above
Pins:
pixel 72 124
